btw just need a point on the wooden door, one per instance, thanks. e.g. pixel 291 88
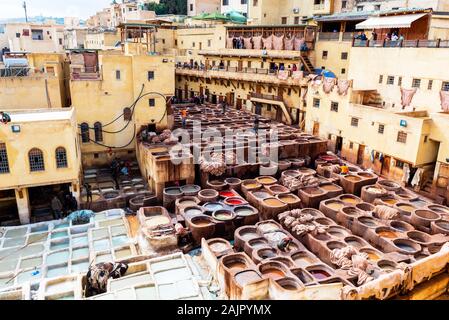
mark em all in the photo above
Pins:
pixel 240 66
pixel 186 92
pixel 258 89
pixel 316 128
pixel 201 91
pixel 360 154
pixel 231 98
pixel 386 166
pixel 239 104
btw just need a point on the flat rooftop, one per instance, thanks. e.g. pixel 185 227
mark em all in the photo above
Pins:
pixel 41 115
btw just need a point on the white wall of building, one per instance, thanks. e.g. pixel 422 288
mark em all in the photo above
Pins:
pixel 235 5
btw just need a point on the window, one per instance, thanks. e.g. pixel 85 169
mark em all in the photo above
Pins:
pixel 316 103
pixel 430 85
pixel 209 43
pixel 377 7
pixel 399 81
pixel 399 164
pixel 243 1
pixel 334 106
pixel 127 114
pixel 85 137
pixel 255 3
pixel 60 41
pixel 17 35
pixel 354 122
pixel 26 32
pixel 117 74
pixel 226 2
pixel 61 158
pixel 296 20
pixel 445 86
pixel 284 20
pixel 150 75
pixel 381 79
pixel 351 145
pixel 4 165
pixel 344 56
pixel 344 4
pixel 193 44
pixel 36 158
pixel 37 34
pixel 152 102
pixel 381 129
pixel 390 80
pixel 416 83
pixel 402 137
pixel 249 64
pixel 324 55
pixel 359 8
pixel 98 127
pixel 343 71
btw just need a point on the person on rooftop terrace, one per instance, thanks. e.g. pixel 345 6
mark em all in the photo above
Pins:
pixel 56 207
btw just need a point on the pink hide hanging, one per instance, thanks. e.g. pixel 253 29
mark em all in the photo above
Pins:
pixel 278 42
pixel 257 42
pixel 310 35
pixel 407 96
pixel 328 85
pixel 90 61
pixel 283 75
pixel 444 96
pixel 248 43
pixel 230 42
pixel 268 42
pixel 298 43
pixel 289 43
pixel 343 87
pixel 77 58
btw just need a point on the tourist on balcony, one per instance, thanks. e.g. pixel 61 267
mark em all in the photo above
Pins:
pixel 234 43
pixel 282 67
pixel 202 66
pixel 195 65
pixel 294 68
pixel 374 36
pixel 304 47
pixel 221 66
pixel 363 37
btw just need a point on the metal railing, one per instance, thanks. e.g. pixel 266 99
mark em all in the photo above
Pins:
pixel 269 72
pixel 329 36
pixel 15 72
pixel 420 43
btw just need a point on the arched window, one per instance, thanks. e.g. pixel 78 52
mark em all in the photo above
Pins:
pixel 36 158
pixel 85 137
pixel 61 158
pixel 127 114
pixel 98 132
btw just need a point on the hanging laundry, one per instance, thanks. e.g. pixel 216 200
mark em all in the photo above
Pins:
pixel 406 174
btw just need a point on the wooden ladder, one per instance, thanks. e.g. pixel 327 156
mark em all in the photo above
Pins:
pixel 307 64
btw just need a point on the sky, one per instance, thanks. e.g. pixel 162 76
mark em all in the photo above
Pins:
pixel 55 8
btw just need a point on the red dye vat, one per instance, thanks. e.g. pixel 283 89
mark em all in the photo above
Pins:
pixel 227 194
pixel 235 202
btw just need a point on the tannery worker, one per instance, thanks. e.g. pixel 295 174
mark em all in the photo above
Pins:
pixel 284 244
pixel 98 276
pixel 56 207
pixel 344 169
pixel 184 118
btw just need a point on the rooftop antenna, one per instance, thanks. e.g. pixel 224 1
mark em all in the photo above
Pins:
pixel 25 8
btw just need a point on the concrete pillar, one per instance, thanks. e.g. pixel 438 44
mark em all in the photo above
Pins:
pixel 23 205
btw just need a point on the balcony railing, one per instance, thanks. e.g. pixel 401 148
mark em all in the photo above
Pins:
pixel 329 36
pixel 420 43
pixel 270 72
pixel 271 97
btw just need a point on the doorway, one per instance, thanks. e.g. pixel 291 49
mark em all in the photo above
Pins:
pixel 338 145
pixel 9 214
pixel 40 200
pixel 386 163
pixel 360 154
pixel 316 128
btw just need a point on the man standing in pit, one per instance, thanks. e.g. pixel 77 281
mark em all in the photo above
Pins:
pixel 184 117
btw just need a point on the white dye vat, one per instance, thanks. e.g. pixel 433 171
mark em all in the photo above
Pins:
pixel 100 233
pixel 146 293
pixel 118 230
pixel 80 253
pixel 167 264
pixel 80 267
pixel 62 225
pixel 80 241
pixel 120 240
pixel 56 245
pixel 130 281
pixel 112 222
pixel 125 294
pixel 173 275
pixel 37 237
pixel 53 272
pixel 14 233
pixel 28 275
pixel 123 253
pixel 8 265
pixel 60 287
pixel 31 262
pixel 14 242
pixel 59 257
pixel 104 258
pixel 101 245
pixel 59 234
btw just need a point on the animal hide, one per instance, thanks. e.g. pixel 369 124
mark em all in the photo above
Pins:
pixel 248 43
pixel 268 42
pixel 230 42
pixel 328 85
pixel 407 96
pixel 257 42
pixel 77 58
pixel 278 42
pixel 444 96
pixel 343 87
pixel 289 43
pixel 298 43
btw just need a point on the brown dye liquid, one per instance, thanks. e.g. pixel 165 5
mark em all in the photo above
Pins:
pixel 351 178
pixel 328 187
pixel 304 260
pixel 320 274
pixel 289 287
pixel 274 273
pixel 335 205
pixel 406 207
pixel 236 265
pixel 388 234
pixel 252 185
pixel 201 223
pixel 273 203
